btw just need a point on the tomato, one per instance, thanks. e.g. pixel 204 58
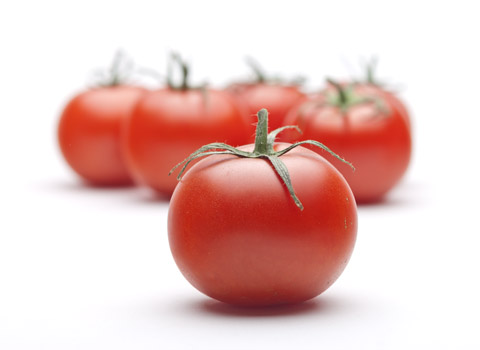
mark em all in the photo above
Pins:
pixel 168 123
pixel 391 99
pixel 237 235
pixel 89 133
pixel 276 96
pixel 365 128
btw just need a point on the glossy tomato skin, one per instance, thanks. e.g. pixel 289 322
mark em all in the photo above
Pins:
pixel 89 133
pixel 377 143
pixel 276 98
pixel 167 125
pixel 237 235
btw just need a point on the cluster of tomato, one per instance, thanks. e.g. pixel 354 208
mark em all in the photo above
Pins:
pixel 265 223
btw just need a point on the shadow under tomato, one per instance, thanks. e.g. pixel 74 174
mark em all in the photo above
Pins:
pixel 386 201
pixel 81 186
pixel 133 194
pixel 406 194
pixel 218 308
pixel 149 196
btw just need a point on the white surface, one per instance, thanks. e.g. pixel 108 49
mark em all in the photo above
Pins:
pixel 91 269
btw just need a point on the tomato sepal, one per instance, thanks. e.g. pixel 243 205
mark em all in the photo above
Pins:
pixel 264 148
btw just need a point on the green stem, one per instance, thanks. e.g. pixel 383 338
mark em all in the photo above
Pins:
pixel 115 68
pixel 118 73
pixel 261 136
pixel 370 79
pixel 185 71
pixel 346 97
pixel 370 68
pixel 264 148
pixel 259 72
pixel 342 95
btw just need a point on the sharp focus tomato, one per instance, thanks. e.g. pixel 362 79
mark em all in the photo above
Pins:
pixel 89 133
pixel 278 99
pixel 237 235
pixel 166 125
pixel 374 136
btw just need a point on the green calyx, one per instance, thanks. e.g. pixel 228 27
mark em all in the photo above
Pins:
pixel 184 85
pixel 122 71
pixel 345 97
pixel 264 148
pixel 119 73
pixel 370 68
pixel 261 77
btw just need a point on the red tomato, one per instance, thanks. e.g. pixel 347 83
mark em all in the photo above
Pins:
pixel 275 95
pixel 278 99
pixel 374 136
pixel 167 124
pixel 237 235
pixel 392 99
pixel 89 133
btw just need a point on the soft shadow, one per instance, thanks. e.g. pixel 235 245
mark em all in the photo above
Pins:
pixel 135 194
pixel 387 201
pixel 148 196
pixel 218 308
pixel 80 186
pixel 406 194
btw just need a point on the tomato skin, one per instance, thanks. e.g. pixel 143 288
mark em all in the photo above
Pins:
pixel 166 125
pixel 377 143
pixel 392 99
pixel 276 98
pixel 237 235
pixel 89 133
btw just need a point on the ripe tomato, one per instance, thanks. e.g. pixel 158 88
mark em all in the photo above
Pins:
pixel 89 133
pixel 167 124
pixel 391 99
pixel 276 96
pixel 365 128
pixel 237 235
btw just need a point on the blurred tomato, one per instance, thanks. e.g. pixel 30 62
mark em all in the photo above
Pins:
pixel 362 125
pixel 89 133
pixel 274 94
pixel 167 124
pixel 278 99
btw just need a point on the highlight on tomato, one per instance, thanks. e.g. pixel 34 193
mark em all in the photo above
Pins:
pixel 89 130
pixel 263 224
pixel 168 123
pixel 276 95
pixel 366 127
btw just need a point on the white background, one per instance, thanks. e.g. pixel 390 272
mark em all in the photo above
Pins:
pixel 84 268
